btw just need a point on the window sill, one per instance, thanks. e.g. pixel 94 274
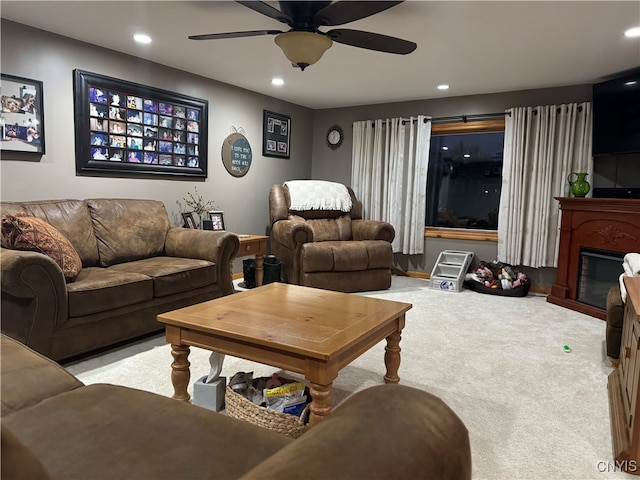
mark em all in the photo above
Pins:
pixel 461 234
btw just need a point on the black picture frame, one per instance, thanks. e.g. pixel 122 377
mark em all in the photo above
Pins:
pixel 189 220
pixel 21 116
pixel 217 220
pixel 276 136
pixel 127 129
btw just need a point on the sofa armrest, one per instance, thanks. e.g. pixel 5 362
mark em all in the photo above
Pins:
pixel 291 233
pixel 28 377
pixel 217 247
pixel 372 230
pixel 387 431
pixel 34 298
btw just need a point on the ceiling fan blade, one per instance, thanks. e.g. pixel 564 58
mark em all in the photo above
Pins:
pixel 251 33
pixel 339 13
pixel 371 41
pixel 268 10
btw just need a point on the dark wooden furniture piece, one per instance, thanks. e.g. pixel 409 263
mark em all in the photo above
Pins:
pixel 300 329
pixel 610 224
pixel 623 386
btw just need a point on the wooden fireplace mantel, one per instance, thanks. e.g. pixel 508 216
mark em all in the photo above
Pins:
pixel 611 224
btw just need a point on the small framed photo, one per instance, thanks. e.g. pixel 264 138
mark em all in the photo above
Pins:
pixel 189 221
pixel 217 220
pixel 276 135
pixel 21 116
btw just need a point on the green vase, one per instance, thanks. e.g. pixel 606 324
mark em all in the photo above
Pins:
pixel 579 185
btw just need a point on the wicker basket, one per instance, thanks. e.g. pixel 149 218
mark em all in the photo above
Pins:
pixel 240 407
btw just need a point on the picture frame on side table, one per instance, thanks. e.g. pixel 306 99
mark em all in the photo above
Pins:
pixel 217 220
pixel 21 116
pixel 189 221
pixel 276 136
pixel 127 129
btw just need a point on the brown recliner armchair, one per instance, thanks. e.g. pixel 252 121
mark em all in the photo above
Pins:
pixel 333 249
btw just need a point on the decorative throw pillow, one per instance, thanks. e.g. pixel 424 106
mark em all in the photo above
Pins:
pixel 21 232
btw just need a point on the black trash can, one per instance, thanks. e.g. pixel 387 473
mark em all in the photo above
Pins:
pixel 249 271
pixel 272 269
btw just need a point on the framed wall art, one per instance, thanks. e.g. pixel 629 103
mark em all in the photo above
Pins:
pixel 124 128
pixel 276 137
pixel 21 116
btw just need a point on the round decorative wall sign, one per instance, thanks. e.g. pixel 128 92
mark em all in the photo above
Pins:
pixel 236 154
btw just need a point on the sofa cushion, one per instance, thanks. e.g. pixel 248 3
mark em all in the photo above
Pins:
pixel 36 235
pixel 71 218
pixel 171 274
pixel 345 256
pixel 128 229
pixel 327 229
pixel 28 377
pixel 17 460
pixel 100 289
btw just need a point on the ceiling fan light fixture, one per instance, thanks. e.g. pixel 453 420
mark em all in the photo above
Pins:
pixel 303 48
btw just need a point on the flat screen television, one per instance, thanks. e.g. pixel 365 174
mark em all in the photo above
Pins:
pixel 616 114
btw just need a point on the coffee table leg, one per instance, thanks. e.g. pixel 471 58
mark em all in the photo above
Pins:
pixel 180 373
pixel 392 358
pixel 259 270
pixel 320 402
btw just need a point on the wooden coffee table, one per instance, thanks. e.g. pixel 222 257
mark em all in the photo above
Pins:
pixel 305 330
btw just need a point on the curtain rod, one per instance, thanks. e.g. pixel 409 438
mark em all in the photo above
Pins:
pixel 462 118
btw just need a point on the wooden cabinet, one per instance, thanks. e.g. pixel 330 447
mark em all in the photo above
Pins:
pixel 623 386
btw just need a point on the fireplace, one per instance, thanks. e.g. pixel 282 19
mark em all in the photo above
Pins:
pixel 599 270
pixel 595 234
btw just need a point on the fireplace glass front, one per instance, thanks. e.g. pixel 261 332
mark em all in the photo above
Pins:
pixel 599 271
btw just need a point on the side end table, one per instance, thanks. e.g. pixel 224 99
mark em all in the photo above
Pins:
pixel 254 245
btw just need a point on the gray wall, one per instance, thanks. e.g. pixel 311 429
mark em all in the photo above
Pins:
pixel 36 54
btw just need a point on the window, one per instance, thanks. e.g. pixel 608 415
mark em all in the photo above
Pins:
pixel 465 175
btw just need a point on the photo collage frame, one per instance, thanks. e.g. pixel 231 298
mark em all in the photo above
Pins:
pixel 21 115
pixel 276 135
pixel 125 127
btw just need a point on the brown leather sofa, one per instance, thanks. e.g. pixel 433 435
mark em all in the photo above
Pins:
pixel 55 427
pixel 134 266
pixel 330 249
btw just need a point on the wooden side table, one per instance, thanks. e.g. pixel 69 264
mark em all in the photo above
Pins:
pixel 254 245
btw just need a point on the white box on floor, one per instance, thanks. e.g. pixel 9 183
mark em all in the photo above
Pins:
pixel 209 395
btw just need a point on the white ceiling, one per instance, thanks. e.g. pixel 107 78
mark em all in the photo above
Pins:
pixel 476 47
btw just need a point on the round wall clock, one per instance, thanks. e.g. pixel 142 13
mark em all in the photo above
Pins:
pixel 335 135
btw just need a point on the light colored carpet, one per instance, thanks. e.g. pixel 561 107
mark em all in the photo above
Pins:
pixel 532 410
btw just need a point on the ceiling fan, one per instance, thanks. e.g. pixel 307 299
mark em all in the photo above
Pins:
pixel 304 43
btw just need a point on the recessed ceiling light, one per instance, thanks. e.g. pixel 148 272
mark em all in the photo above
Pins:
pixel 142 38
pixel 443 87
pixel 466 155
pixel 632 32
pixel 278 82
pixel 445 148
pixel 630 83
